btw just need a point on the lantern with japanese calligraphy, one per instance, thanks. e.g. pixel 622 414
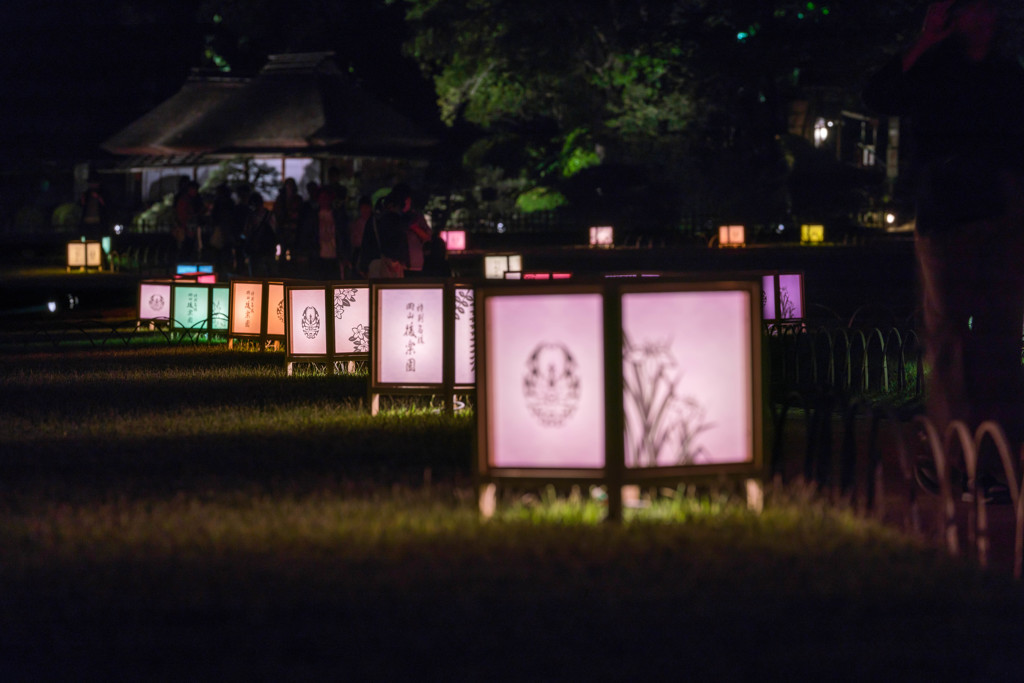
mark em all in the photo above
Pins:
pixel 423 340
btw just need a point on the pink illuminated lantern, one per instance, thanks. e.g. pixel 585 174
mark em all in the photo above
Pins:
pixel 308 323
pixel 154 300
pixel 782 297
pixel 602 236
pixel 628 382
pixel 455 240
pixel 423 341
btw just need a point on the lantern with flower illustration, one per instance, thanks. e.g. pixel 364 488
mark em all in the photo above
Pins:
pixel 618 384
pixel 327 323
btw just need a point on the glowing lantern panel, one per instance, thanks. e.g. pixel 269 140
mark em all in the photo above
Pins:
pixel 602 236
pixel 411 335
pixel 351 319
pixel 191 306
pixel 496 265
pixel 687 383
pixel 247 308
pixel 93 254
pixel 220 301
pixel 275 309
pixel 791 296
pixel 455 240
pixel 545 381
pixel 465 337
pixel 76 254
pixel 154 301
pixel 307 324
pixel 812 234
pixel 732 235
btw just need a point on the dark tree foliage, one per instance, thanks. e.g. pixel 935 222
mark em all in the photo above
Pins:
pixel 696 89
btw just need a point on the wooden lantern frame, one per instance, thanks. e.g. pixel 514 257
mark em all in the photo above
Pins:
pixel 614 474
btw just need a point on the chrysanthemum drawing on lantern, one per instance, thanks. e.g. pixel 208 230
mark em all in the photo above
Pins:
pixel 360 338
pixel 156 302
pixel 662 425
pixel 343 298
pixel 464 307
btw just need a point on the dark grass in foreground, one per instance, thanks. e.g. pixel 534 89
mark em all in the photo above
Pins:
pixel 142 538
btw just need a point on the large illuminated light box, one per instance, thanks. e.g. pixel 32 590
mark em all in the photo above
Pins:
pixel 623 383
pixel 732 236
pixel 154 300
pixel 84 254
pixel 423 341
pixel 602 236
pixel 496 265
pixel 455 240
pixel 812 234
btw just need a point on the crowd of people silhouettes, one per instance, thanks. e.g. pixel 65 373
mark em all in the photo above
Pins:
pixel 318 235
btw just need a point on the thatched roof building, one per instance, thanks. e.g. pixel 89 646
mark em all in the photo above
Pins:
pixel 299 103
pixel 300 112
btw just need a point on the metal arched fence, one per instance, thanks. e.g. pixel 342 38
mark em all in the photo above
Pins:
pixel 878 361
pixel 98 333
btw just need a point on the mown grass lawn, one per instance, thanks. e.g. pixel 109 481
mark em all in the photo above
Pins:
pixel 193 514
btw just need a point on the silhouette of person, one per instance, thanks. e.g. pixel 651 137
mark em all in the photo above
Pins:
pixel 188 212
pixel 307 240
pixel 287 210
pixel 963 99
pixel 95 209
pixel 417 228
pixel 221 242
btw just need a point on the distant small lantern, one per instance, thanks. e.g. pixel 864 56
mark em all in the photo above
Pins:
pixel 782 297
pixel 496 265
pixel 84 254
pixel 812 234
pixel 602 236
pixel 455 240
pixel 154 301
pixel 732 236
